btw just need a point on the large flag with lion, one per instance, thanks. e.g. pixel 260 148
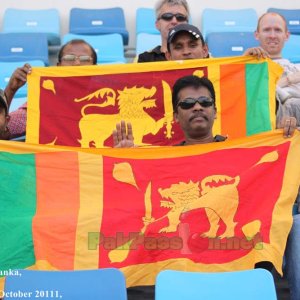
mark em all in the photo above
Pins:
pixel 81 106
pixel 213 207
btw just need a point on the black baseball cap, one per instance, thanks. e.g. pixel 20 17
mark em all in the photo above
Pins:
pixel 193 30
pixel 3 101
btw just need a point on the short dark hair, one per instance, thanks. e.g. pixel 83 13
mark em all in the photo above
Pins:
pixel 191 81
pixel 74 42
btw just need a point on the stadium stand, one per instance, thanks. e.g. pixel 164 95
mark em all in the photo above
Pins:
pixel 86 284
pixel 221 20
pixel 145 21
pixel 222 44
pixel 23 47
pixel 291 49
pixel 246 285
pixel 38 21
pixel 146 41
pixel 98 21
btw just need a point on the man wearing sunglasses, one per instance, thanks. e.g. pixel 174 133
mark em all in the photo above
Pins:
pixel 193 100
pixel 169 13
pixel 194 106
pixel 73 53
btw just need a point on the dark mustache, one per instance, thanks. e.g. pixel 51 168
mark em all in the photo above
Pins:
pixel 198 114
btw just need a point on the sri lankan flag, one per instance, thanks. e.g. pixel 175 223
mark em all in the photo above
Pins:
pixel 214 207
pixel 81 106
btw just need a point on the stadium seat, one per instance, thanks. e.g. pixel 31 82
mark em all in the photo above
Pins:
pixel 109 47
pixel 292 17
pixel 221 44
pixel 145 21
pixel 247 285
pixel 222 20
pixel 98 21
pixel 6 70
pixel 146 41
pixel 67 285
pixel 23 47
pixel 291 49
pixel 39 21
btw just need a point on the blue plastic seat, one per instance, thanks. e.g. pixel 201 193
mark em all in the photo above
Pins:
pixel 146 41
pixel 67 285
pixel 109 47
pixel 234 20
pixel 23 47
pixel 145 21
pixel 292 17
pixel 253 284
pixel 221 44
pixel 39 21
pixel 291 49
pixel 6 70
pixel 98 21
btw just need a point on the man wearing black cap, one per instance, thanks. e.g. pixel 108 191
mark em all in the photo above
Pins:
pixel 185 41
pixel 4 133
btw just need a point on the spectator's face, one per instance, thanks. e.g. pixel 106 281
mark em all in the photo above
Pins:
pixel 3 124
pixel 165 25
pixel 184 46
pixel 197 121
pixel 76 55
pixel 272 34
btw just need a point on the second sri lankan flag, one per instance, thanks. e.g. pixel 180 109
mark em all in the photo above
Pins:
pixel 81 106
pixel 215 207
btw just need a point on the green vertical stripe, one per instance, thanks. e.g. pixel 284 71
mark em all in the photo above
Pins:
pixel 17 208
pixel 257 89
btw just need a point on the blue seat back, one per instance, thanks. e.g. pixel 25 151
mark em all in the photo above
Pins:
pixel 98 21
pixel 40 21
pixel 222 20
pixel 246 285
pixel 221 44
pixel 68 285
pixel 147 41
pixel 292 17
pixel 109 47
pixel 23 47
pixel 6 70
pixel 145 21
pixel 291 49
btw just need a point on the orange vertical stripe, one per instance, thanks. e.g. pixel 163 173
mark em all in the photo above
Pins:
pixel 54 226
pixel 233 100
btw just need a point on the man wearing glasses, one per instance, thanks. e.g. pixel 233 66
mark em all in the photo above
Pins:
pixel 169 13
pixel 73 53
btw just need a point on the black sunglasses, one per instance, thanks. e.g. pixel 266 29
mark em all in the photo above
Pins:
pixel 169 17
pixel 190 102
